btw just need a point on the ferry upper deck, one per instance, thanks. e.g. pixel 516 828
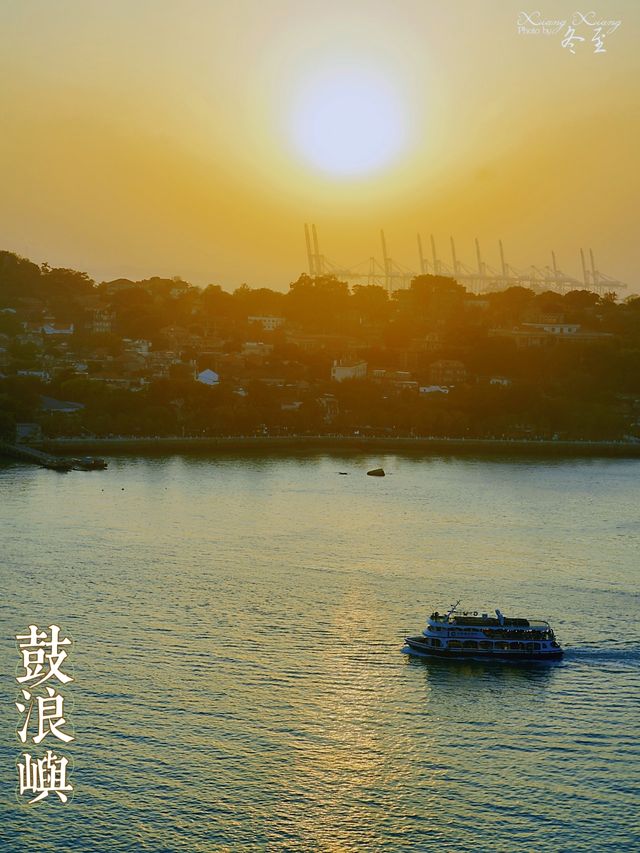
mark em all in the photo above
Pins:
pixel 443 621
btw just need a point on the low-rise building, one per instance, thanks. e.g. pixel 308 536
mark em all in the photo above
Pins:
pixel 160 361
pixel 139 346
pixel 330 406
pixel 29 336
pixel 268 323
pixel 346 345
pixel 405 385
pixel 257 348
pixel 500 380
pixel 447 372
pixel 61 407
pixel 548 334
pixel 176 336
pixel 208 377
pixel 554 328
pixel 28 432
pixel 44 375
pixel 433 389
pixel 52 329
pixel 118 285
pixel 102 321
pixel 342 369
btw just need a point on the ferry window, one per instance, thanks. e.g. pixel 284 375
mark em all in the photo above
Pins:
pixel 470 644
pixel 435 642
pixel 514 645
pixel 484 644
pixel 536 647
pixel 502 645
pixel 455 644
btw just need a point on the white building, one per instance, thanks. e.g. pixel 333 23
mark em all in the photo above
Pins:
pixel 342 370
pixel 36 374
pixel 555 328
pixel 269 324
pixel 256 348
pixel 433 389
pixel 140 346
pixel 55 329
pixel 103 321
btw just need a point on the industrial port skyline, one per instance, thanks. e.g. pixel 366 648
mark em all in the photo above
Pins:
pixel 482 276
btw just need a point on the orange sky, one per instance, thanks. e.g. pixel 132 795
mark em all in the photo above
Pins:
pixel 146 137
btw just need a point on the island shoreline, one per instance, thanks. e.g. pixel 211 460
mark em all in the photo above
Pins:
pixel 361 445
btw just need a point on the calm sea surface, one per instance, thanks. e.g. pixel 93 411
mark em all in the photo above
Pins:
pixel 237 627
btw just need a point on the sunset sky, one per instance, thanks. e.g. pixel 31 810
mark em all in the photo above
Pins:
pixel 145 137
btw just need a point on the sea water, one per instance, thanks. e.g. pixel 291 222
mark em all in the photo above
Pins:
pixel 238 680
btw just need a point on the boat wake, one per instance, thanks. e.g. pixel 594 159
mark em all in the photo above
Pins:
pixel 627 654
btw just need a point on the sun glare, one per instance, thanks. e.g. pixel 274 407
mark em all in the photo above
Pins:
pixel 348 123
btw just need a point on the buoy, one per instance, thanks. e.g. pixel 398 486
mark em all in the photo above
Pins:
pixel 376 472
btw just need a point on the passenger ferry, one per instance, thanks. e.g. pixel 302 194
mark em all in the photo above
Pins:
pixel 469 634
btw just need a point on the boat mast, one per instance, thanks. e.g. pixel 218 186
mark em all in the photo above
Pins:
pixel 453 609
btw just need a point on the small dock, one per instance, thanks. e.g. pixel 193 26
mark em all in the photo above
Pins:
pixel 25 453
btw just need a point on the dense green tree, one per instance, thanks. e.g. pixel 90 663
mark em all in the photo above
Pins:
pixel 259 301
pixel 318 304
pixel 371 303
pixel 19 277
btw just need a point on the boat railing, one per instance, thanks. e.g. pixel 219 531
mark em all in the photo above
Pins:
pixel 480 622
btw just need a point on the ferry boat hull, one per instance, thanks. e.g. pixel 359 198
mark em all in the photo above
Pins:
pixel 417 647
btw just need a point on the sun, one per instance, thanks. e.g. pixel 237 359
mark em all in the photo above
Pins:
pixel 348 122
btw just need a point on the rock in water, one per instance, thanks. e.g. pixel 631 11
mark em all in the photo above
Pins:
pixel 376 472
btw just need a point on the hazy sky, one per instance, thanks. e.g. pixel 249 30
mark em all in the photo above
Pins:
pixel 195 138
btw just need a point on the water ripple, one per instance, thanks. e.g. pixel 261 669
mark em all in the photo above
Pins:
pixel 239 682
